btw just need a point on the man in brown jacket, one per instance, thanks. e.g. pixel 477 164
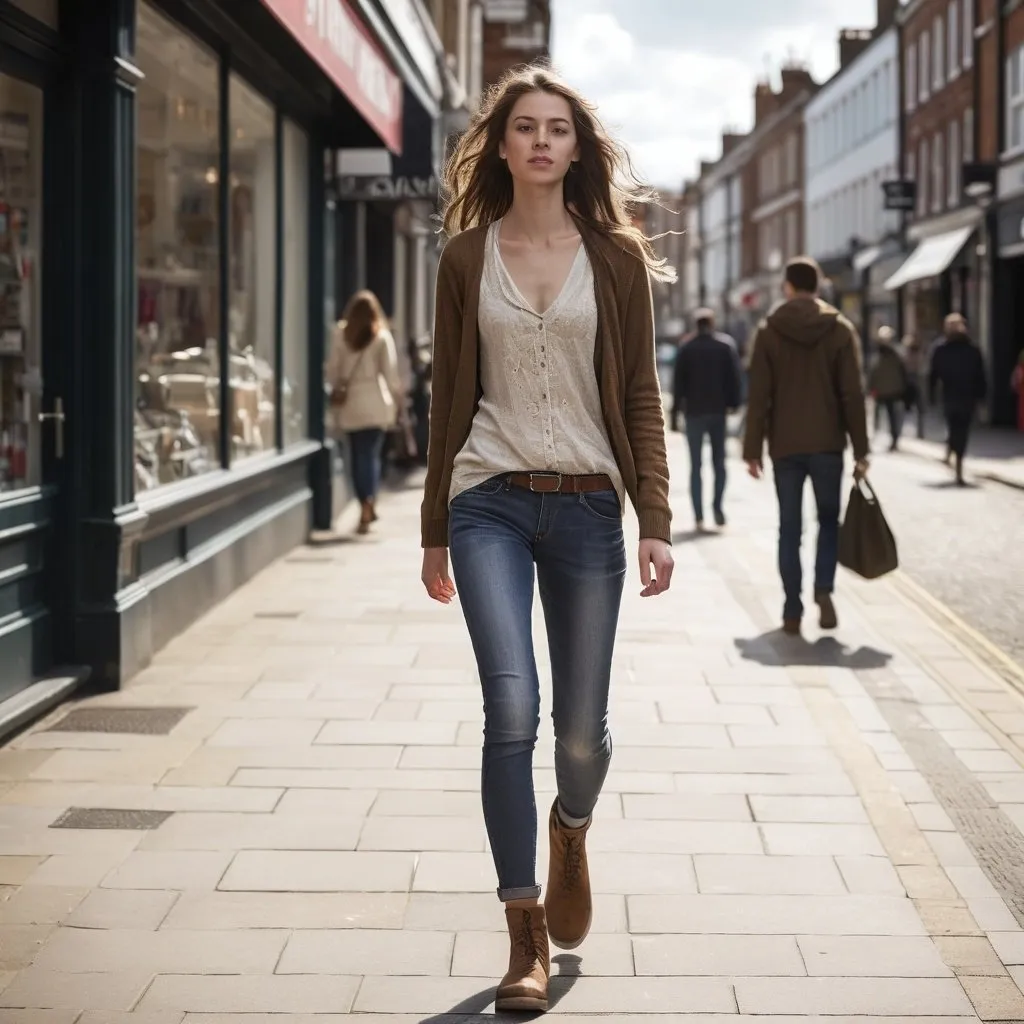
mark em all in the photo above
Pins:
pixel 806 397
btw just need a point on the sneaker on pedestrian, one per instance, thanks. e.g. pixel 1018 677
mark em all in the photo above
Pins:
pixel 719 517
pixel 525 985
pixel 568 902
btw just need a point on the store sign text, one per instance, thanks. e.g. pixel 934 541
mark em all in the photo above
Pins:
pixel 386 187
pixel 335 38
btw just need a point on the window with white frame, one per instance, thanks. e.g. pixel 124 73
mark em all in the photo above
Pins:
pixel 953 174
pixel 938 52
pixel 924 53
pixel 922 177
pixel 1015 100
pixel 953 37
pixel 910 85
pixel 967 139
pixel 968 33
pixel 938 170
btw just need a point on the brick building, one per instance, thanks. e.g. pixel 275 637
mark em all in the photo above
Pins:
pixel 773 184
pixel 1003 57
pixel 514 32
pixel 941 91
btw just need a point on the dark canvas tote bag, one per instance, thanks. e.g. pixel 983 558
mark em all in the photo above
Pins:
pixel 866 544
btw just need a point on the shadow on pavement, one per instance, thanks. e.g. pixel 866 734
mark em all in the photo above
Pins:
pixel 471 1010
pixel 950 485
pixel 776 648
pixel 690 536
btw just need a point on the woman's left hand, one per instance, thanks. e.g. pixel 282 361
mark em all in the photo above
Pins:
pixel 658 554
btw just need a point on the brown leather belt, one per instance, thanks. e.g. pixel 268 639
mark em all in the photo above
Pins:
pixel 562 483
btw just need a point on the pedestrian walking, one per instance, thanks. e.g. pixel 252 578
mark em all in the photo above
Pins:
pixel 806 398
pixel 959 368
pixel 546 413
pixel 706 388
pixel 365 394
pixel 888 382
pixel 914 363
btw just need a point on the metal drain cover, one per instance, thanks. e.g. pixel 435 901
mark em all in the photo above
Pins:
pixel 110 818
pixel 145 721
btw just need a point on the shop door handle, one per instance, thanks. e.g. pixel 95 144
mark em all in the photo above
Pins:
pixel 58 421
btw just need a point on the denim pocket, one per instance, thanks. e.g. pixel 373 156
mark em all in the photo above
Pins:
pixel 486 488
pixel 603 505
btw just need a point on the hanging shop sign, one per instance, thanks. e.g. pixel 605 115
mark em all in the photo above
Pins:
pixel 385 186
pixel 333 35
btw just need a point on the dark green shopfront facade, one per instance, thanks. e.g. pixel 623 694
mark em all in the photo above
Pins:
pixel 166 282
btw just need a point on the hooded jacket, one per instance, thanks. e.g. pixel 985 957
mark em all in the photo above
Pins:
pixel 805 390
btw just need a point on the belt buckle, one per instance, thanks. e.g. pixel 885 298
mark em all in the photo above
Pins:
pixel 557 478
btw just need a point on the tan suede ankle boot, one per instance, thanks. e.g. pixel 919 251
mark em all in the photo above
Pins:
pixel 525 986
pixel 567 902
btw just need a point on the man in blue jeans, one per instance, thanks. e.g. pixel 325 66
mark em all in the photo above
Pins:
pixel 706 387
pixel 806 397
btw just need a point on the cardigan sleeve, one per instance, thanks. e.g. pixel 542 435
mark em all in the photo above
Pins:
pixel 444 363
pixel 645 414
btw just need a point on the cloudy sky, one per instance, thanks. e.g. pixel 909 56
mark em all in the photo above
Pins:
pixel 668 75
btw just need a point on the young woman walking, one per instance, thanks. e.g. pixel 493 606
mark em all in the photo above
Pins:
pixel 366 393
pixel 546 413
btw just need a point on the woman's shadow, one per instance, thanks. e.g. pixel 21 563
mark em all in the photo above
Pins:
pixel 471 1010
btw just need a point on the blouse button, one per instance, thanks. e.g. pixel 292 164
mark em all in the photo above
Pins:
pixel 540 326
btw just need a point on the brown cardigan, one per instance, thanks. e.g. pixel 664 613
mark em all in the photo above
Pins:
pixel 624 360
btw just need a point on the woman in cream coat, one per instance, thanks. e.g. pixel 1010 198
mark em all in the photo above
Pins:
pixel 366 392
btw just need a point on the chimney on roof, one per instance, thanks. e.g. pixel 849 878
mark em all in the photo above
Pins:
pixel 730 140
pixel 886 11
pixel 765 102
pixel 795 79
pixel 852 43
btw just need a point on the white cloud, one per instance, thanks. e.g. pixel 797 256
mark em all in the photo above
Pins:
pixel 669 77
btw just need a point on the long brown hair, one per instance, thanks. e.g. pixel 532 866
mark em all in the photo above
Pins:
pixel 364 320
pixel 601 190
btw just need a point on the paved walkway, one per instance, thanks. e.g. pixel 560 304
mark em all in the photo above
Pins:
pixel 993 454
pixel 809 829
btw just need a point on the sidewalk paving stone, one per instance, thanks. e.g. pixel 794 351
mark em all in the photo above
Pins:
pixel 774 842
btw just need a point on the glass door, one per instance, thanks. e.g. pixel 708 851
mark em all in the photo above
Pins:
pixel 32 437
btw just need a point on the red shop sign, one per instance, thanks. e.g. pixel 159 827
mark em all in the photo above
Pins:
pixel 332 34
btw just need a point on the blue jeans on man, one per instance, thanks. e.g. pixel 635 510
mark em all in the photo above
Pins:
pixel 713 426
pixel 825 471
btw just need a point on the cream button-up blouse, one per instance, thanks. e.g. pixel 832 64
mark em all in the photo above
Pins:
pixel 541 408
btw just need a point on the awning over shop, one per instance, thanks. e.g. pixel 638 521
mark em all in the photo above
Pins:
pixel 334 36
pixel 931 257
pixel 866 258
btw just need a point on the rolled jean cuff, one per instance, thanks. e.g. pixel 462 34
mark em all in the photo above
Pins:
pixel 523 892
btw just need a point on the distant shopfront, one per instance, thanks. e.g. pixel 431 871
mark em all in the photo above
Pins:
pixel 162 311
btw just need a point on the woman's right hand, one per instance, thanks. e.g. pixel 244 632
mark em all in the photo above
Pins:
pixel 435 575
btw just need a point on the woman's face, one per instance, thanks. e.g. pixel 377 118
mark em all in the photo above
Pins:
pixel 540 139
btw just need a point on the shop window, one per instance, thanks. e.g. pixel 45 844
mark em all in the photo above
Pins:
pixel 253 274
pixel 21 380
pixel 295 254
pixel 177 410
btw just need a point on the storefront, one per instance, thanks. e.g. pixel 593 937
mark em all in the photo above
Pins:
pixel 940 275
pixel 1008 327
pixel 164 304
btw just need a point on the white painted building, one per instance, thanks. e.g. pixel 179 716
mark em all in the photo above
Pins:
pixel 852 142
pixel 721 230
